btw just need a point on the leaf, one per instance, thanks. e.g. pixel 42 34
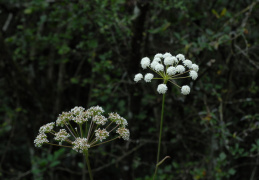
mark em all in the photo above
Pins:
pixel 215 13
pixel 223 12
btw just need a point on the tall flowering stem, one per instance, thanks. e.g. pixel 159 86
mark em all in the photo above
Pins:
pixel 160 135
pixel 169 69
pixel 85 138
pixel 88 165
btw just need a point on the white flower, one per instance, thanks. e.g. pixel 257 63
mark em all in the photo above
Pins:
pixel 145 62
pixel 95 110
pixel 193 74
pixel 101 134
pixel 159 67
pixel 187 63
pixel 167 55
pixel 162 88
pixel 77 109
pixel 148 77
pixel 47 127
pixel 156 59
pixel 138 77
pixel 195 67
pixel 99 119
pixel 180 69
pixel 115 117
pixel 153 64
pixel 174 59
pixel 180 57
pixel 185 90
pixel 62 135
pixel 63 118
pixel 80 145
pixel 81 117
pixel 40 139
pixel 171 71
pixel 169 61
pixel 123 132
pixel 159 55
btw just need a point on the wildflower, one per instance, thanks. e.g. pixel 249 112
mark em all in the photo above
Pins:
pixel 159 67
pixel 95 110
pixel 47 127
pixel 187 63
pixel 162 88
pixel 40 139
pixel 145 62
pixel 148 77
pixel 63 118
pixel 101 134
pixel 80 145
pixel 193 74
pixel 185 90
pixel 180 57
pixel 169 68
pixel 195 67
pixel 118 119
pixel 62 135
pixel 99 119
pixel 138 77
pixel 123 132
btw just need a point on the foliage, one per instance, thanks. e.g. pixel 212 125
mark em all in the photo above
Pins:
pixel 57 54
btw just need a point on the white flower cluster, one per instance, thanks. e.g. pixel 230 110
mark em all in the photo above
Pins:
pixel 47 127
pixel 40 139
pixel 169 67
pixel 62 135
pixel 123 132
pixel 115 117
pixel 101 134
pixel 77 138
pixel 63 118
pixel 80 145
pixel 99 119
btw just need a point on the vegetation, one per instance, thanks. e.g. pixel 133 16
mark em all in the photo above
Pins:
pixel 58 54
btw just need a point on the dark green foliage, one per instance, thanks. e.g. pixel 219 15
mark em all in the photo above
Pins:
pixel 57 54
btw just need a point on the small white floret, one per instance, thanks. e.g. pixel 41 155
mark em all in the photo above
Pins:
pixel 171 71
pixel 185 90
pixel 180 57
pixel 159 67
pixel 156 60
pixel 148 77
pixel 195 67
pixel 158 55
pixel 168 61
pixel 138 77
pixel 153 64
pixel 180 69
pixel 162 88
pixel 175 59
pixel 167 55
pixel 145 62
pixel 187 63
pixel 193 74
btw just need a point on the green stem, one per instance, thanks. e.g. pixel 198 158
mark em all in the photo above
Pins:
pixel 160 135
pixel 88 165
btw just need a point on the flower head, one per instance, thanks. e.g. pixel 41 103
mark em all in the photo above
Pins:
pixel 145 62
pixel 185 90
pixel 47 127
pixel 123 132
pixel 169 68
pixel 62 135
pixel 90 132
pixel 148 77
pixel 40 139
pixel 162 88
pixel 138 77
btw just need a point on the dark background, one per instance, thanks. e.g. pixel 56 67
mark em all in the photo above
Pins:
pixel 57 54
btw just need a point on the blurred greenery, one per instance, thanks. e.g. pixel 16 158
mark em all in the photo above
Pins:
pixel 57 54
